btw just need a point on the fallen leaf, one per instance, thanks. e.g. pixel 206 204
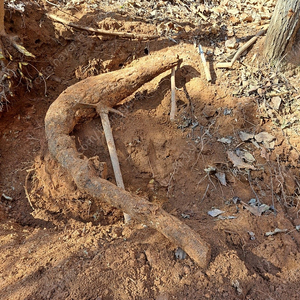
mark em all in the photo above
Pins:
pixel 246 18
pixel 233 11
pixel 248 157
pixel 238 162
pixel 215 212
pixel 264 137
pixel 225 140
pixel 256 210
pixel 218 10
pixel 269 145
pixel 244 136
pixel 264 153
pixel 234 20
pixel 276 101
pixel 222 178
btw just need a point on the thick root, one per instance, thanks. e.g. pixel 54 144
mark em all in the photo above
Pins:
pixel 112 88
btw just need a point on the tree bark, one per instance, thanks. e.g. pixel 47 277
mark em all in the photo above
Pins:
pixel 282 38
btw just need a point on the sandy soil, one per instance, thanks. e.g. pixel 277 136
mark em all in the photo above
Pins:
pixel 62 244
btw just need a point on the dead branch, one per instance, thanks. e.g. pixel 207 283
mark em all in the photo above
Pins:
pixel 111 88
pixel 205 66
pixel 104 32
pixel 26 188
pixel 240 51
pixel 113 154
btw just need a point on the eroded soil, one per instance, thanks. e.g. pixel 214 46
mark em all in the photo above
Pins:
pixel 62 244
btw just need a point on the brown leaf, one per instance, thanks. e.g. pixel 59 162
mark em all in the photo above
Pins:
pixel 264 137
pixel 238 162
pixel 244 136
pixel 264 154
pixel 222 178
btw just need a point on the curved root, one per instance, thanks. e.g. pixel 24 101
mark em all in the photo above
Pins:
pixel 111 88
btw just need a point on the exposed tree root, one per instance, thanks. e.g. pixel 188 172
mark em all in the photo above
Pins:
pixel 105 91
pixel 104 32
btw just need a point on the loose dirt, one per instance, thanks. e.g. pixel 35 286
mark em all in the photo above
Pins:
pixel 63 244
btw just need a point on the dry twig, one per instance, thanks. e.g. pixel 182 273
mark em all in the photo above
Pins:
pixel 113 153
pixel 26 188
pixel 205 66
pixel 240 51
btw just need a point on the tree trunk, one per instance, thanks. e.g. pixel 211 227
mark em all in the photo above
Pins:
pixel 282 41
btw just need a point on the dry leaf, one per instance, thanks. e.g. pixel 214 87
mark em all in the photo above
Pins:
pixel 246 18
pixel 244 136
pixel 225 140
pixel 238 162
pixel 248 157
pixel 234 20
pixel 264 154
pixel 233 11
pixel 276 101
pixel 222 178
pixel 264 137
pixel 256 210
pixel 215 212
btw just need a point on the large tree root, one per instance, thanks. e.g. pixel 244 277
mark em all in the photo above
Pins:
pixel 110 89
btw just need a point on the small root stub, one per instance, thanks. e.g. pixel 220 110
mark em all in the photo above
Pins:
pixel 112 88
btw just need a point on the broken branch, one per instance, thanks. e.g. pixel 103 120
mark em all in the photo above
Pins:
pixel 113 154
pixel 240 51
pixel 205 66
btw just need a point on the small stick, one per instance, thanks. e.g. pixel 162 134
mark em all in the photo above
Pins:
pixel 113 154
pixel 202 16
pixel 26 189
pixel 104 32
pixel 240 51
pixel 173 99
pixel 206 67
pixel 205 193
